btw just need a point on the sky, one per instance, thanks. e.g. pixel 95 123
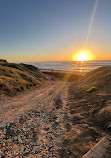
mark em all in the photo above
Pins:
pixel 54 30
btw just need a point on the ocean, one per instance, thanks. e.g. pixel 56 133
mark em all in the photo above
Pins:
pixel 85 66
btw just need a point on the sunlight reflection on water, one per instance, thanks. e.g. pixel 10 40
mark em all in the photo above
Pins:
pixel 71 65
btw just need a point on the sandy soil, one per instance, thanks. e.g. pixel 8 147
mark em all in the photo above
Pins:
pixel 31 123
pixel 62 71
pixel 70 76
pixel 57 120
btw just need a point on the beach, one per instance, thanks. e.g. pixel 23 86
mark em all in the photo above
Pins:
pixel 73 66
pixel 55 79
pixel 64 75
pixel 58 118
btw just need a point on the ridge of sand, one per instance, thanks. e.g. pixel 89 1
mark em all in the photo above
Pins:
pixel 59 120
pixel 100 150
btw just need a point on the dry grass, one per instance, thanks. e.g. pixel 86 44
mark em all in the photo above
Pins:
pixel 101 75
pixel 92 89
pixel 18 77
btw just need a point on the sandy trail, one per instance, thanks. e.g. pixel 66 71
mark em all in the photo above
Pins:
pixel 10 108
pixel 32 123
pixel 51 121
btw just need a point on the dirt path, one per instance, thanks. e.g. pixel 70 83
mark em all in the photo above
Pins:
pixel 32 123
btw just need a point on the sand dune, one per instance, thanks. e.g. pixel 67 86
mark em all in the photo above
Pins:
pixel 59 119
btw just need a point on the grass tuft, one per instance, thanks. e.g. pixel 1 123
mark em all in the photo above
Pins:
pixel 92 89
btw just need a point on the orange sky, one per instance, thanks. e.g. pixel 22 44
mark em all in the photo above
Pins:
pixel 54 30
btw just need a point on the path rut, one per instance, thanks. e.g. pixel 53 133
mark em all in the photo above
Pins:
pixel 32 123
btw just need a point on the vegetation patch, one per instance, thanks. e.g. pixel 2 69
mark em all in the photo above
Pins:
pixel 92 89
pixel 18 77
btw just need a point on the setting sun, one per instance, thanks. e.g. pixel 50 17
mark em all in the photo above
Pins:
pixel 82 56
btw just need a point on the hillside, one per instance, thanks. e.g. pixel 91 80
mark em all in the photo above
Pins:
pixel 57 119
pixel 89 116
pixel 18 77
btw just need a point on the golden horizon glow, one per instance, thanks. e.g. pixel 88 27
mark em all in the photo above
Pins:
pixel 83 55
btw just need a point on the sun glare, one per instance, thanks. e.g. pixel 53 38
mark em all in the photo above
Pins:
pixel 82 56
